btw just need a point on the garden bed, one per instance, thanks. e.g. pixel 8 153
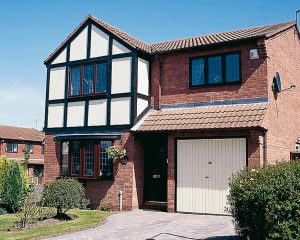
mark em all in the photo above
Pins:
pixel 79 220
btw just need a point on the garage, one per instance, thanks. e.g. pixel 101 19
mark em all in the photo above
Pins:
pixel 202 170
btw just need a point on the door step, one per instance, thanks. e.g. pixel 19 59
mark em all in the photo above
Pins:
pixel 155 205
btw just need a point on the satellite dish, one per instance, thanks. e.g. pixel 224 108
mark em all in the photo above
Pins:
pixel 277 83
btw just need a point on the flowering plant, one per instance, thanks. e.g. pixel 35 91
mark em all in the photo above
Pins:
pixel 115 152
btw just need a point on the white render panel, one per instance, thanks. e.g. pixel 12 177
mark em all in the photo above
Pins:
pixel 75 116
pixel 99 42
pixel 97 112
pixel 118 48
pixel 120 111
pixel 142 104
pixel 78 47
pixel 203 169
pixel 61 58
pixel 143 77
pixel 57 83
pixel 55 115
pixel 121 75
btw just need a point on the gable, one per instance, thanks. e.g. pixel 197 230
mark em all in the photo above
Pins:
pixel 88 40
pixel 99 42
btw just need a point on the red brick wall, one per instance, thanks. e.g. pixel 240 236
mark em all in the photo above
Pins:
pixel 128 178
pixel 254 153
pixel 175 77
pixel 51 159
pixel 283 116
pixel 37 150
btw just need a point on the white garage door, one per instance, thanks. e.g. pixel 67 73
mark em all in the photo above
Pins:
pixel 203 169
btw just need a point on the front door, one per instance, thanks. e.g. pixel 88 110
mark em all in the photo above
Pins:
pixel 156 166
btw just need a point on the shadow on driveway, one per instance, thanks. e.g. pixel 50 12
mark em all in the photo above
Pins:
pixel 183 237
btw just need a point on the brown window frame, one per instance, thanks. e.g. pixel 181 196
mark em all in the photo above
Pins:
pixel 82 162
pixel 94 93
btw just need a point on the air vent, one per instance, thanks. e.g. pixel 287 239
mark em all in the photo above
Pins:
pixel 254 54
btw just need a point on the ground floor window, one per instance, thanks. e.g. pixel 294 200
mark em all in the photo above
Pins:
pixel 86 159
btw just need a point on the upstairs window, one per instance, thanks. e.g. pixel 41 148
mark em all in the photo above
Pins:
pixel 11 147
pixel 86 159
pixel 29 147
pixel 88 79
pixel 214 70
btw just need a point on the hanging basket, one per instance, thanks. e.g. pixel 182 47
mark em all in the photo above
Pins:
pixel 117 154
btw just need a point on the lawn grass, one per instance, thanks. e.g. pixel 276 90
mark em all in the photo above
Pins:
pixel 85 219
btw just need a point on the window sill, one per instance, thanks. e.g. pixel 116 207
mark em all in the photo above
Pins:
pixel 87 177
pixel 88 95
pixel 215 84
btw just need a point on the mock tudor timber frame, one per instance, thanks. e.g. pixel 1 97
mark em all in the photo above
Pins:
pixel 134 54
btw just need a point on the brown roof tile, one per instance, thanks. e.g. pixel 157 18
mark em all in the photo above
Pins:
pixel 198 41
pixel 19 133
pixel 224 117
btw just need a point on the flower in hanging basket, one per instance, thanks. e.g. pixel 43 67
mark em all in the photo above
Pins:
pixel 116 153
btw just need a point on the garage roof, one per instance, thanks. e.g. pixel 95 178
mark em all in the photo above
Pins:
pixel 207 117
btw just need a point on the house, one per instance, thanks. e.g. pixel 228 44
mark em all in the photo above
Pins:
pixel 189 112
pixel 12 142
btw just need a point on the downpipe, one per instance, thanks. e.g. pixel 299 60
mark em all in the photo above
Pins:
pixel 120 196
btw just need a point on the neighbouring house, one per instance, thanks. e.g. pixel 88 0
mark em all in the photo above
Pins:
pixel 12 142
pixel 189 112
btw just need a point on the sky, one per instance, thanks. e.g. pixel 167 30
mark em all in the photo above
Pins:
pixel 31 30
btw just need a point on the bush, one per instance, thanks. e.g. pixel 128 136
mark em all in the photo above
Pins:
pixel 64 194
pixel 105 206
pixel 13 184
pixel 265 203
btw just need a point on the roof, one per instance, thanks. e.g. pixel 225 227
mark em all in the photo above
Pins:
pixel 174 45
pixel 21 134
pixel 208 117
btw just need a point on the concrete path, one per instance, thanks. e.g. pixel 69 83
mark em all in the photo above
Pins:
pixel 154 225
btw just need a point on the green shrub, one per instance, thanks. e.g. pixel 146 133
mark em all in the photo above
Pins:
pixel 105 206
pixel 64 194
pixel 13 184
pixel 265 203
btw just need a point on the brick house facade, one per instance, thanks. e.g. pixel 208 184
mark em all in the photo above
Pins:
pixel 14 139
pixel 154 110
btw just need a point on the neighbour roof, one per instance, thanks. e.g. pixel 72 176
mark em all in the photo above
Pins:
pixel 208 117
pixel 198 41
pixel 20 133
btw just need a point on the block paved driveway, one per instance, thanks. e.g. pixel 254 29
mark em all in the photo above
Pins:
pixel 154 225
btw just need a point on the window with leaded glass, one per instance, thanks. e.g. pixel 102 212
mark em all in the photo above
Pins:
pixel 101 81
pixel 75 158
pixel 75 81
pixel 89 159
pixel 232 67
pixel 88 79
pixel 216 69
pixel 65 159
pixel 197 71
pixel 105 161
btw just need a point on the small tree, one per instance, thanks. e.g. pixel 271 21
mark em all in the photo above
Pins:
pixel 13 184
pixel 64 194
pixel 32 208
pixel 26 152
